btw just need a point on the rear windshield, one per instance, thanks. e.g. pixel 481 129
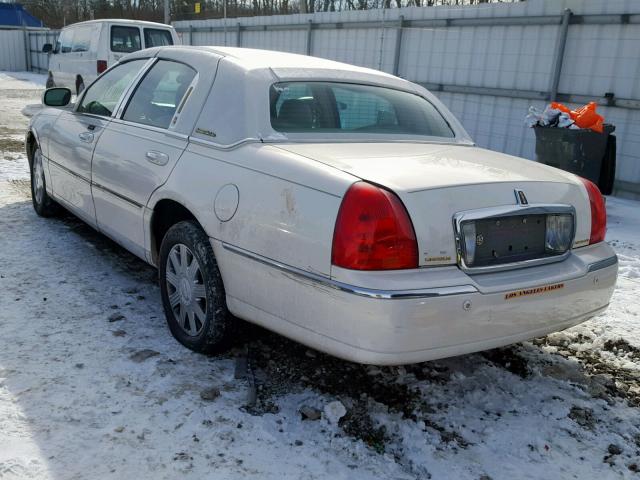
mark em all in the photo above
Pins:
pixel 125 39
pixel 332 107
pixel 155 37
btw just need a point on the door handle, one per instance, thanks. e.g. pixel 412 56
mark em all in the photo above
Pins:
pixel 86 137
pixel 158 158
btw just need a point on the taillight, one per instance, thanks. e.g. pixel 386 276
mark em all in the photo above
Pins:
pixel 373 231
pixel 598 212
pixel 101 66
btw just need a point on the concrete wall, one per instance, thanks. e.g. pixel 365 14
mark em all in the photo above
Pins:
pixel 602 55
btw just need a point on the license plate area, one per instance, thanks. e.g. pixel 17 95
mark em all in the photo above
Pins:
pixel 505 237
pixel 509 239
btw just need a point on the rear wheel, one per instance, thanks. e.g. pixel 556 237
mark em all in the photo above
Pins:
pixel 43 204
pixel 192 291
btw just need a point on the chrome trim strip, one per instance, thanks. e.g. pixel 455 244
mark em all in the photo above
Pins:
pixel 360 291
pixel 221 146
pixel 506 211
pixel 69 171
pixel 116 194
pixel 600 264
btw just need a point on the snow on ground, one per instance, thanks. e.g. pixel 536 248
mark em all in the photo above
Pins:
pixel 92 385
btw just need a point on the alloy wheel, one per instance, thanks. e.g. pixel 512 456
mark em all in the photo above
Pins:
pixel 186 289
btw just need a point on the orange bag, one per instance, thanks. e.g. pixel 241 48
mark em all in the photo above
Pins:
pixel 584 117
pixel 561 107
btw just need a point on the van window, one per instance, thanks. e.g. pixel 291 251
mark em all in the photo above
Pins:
pixel 158 95
pixel 125 39
pixel 64 42
pixel 154 37
pixel 82 39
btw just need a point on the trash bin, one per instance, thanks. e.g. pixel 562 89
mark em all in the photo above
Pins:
pixel 584 152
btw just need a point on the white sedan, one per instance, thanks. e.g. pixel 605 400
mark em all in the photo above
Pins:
pixel 339 206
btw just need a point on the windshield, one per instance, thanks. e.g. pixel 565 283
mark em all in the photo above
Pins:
pixel 343 108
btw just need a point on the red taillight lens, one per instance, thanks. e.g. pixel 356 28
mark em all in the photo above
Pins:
pixel 373 231
pixel 598 212
pixel 102 66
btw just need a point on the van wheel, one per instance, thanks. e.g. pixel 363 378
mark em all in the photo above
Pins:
pixel 191 288
pixel 50 83
pixel 79 86
pixel 43 204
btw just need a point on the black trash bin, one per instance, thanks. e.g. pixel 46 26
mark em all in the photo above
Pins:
pixel 590 154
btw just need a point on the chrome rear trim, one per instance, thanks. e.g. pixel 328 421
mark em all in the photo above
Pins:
pixel 600 264
pixel 360 291
pixel 507 211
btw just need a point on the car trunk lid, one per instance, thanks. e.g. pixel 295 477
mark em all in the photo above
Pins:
pixel 438 181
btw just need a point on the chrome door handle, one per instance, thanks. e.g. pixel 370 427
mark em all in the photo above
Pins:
pixel 86 137
pixel 158 158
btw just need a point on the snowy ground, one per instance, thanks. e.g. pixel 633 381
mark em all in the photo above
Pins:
pixel 92 385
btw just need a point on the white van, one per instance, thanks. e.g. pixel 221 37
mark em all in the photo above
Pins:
pixel 84 50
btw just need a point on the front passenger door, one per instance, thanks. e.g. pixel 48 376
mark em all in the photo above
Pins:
pixel 137 152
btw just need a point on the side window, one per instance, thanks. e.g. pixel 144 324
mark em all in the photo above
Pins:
pixel 159 94
pixel 81 39
pixel 154 37
pixel 103 95
pixel 65 40
pixel 125 39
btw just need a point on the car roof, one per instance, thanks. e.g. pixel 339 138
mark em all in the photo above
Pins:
pixel 252 59
pixel 123 21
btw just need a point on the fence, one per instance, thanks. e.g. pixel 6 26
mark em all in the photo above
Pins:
pixel 21 49
pixel 488 63
pixel 39 61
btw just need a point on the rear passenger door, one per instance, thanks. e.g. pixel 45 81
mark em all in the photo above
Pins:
pixel 137 151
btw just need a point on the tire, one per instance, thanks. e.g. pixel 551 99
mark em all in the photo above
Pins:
pixel 193 295
pixel 79 86
pixel 50 83
pixel 43 204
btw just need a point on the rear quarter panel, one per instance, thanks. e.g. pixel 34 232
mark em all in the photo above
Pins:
pixel 287 204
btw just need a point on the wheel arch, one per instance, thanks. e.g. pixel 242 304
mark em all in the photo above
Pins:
pixel 30 144
pixel 165 213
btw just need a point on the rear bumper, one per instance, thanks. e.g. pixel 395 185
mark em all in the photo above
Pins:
pixel 452 314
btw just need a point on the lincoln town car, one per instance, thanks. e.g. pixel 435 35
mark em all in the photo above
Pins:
pixel 339 206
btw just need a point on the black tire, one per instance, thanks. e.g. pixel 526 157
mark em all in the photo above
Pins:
pixel 50 83
pixel 212 329
pixel 43 204
pixel 79 86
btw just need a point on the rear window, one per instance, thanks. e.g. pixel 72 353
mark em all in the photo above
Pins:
pixel 343 108
pixel 125 39
pixel 155 37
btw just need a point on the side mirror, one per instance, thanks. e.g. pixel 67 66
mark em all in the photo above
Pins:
pixel 47 48
pixel 56 97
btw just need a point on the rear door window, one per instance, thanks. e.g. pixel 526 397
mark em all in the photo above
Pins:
pixel 159 94
pixel 125 39
pixel 155 37
pixel 82 39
